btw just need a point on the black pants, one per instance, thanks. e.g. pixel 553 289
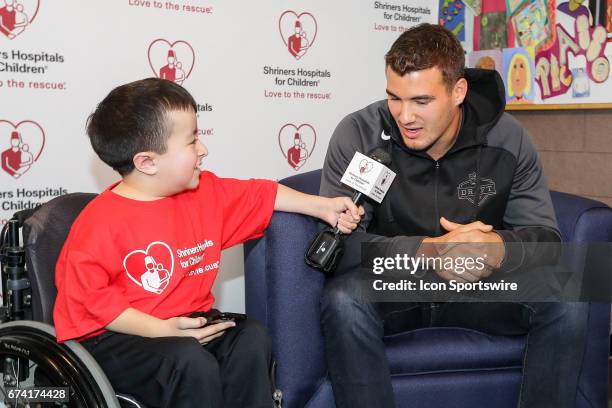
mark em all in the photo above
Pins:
pixel 230 371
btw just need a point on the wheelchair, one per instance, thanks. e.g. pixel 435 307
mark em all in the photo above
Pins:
pixel 30 357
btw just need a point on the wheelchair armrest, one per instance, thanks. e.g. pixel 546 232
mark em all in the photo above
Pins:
pixel 283 293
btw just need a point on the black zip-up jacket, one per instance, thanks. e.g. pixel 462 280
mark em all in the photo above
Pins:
pixel 493 153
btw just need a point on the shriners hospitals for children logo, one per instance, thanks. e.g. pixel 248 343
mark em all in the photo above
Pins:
pixel 365 166
pixel 21 145
pixel 466 190
pixel 298 32
pixel 171 60
pixel 152 268
pixel 16 16
pixel 297 143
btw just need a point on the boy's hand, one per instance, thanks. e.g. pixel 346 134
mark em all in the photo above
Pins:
pixel 341 212
pixel 193 327
pixel 135 322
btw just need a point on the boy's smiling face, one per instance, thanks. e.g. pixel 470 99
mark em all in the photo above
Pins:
pixel 178 169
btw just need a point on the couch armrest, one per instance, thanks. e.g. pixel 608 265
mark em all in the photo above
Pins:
pixel 283 293
pixel 583 220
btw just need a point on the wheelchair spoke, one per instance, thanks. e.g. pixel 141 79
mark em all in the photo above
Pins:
pixel 32 362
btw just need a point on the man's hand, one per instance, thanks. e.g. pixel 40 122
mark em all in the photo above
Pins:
pixel 193 327
pixel 465 241
pixel 341 212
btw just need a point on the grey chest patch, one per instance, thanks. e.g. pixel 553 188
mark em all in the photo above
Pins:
pixel 466 190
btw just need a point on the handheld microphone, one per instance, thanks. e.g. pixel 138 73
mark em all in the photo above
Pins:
pixel 370 177
pixel 381 156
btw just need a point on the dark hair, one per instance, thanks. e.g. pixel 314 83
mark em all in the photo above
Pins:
pixel 427 46
pixel 133 118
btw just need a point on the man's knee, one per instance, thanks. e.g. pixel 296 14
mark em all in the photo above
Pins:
pixel 340 296
pixel 344 306
pixel 572 316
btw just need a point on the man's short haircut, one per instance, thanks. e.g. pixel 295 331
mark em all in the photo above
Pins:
pixel 133 118
pixel 426 46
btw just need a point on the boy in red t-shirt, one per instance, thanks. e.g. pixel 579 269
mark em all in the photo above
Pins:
pixel 144 254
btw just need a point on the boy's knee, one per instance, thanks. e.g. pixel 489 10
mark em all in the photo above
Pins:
pixel 190 376
pixel 192 360
pixel 254 338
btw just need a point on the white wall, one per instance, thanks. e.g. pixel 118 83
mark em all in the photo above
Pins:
pixel 82 49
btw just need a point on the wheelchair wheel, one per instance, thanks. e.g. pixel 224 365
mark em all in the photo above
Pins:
pixel 31 357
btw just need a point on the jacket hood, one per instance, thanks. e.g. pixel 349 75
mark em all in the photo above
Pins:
pixel 486 97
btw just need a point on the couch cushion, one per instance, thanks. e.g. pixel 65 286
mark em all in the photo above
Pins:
pixel 451 349
pixel 306 182
pixel 486 388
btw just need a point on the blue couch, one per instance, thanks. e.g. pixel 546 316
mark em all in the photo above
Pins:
pixel 431 367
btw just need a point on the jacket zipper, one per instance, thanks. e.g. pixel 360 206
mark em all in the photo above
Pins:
pixel 437 220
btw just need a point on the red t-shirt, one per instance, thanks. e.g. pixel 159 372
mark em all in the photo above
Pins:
pixel 160 257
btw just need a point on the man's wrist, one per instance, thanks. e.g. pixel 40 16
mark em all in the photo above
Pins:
pixel 428 248
pixel 501 245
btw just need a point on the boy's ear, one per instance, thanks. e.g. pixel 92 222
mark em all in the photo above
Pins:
pixel 144 162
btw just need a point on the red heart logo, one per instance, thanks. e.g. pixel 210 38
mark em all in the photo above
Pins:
pixel 152 268
pixel 17 16
pixel 298 32
pixel 21 145
pixel 297 143
pixel 172 61
pixel 365 166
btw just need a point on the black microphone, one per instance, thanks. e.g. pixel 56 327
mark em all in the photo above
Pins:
pixel 325 251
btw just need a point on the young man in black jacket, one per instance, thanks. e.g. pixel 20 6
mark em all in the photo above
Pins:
pixel 466 172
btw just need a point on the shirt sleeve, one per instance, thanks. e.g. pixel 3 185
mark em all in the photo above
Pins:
pixel 86 300
pixel 530 217
pixel 247 207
